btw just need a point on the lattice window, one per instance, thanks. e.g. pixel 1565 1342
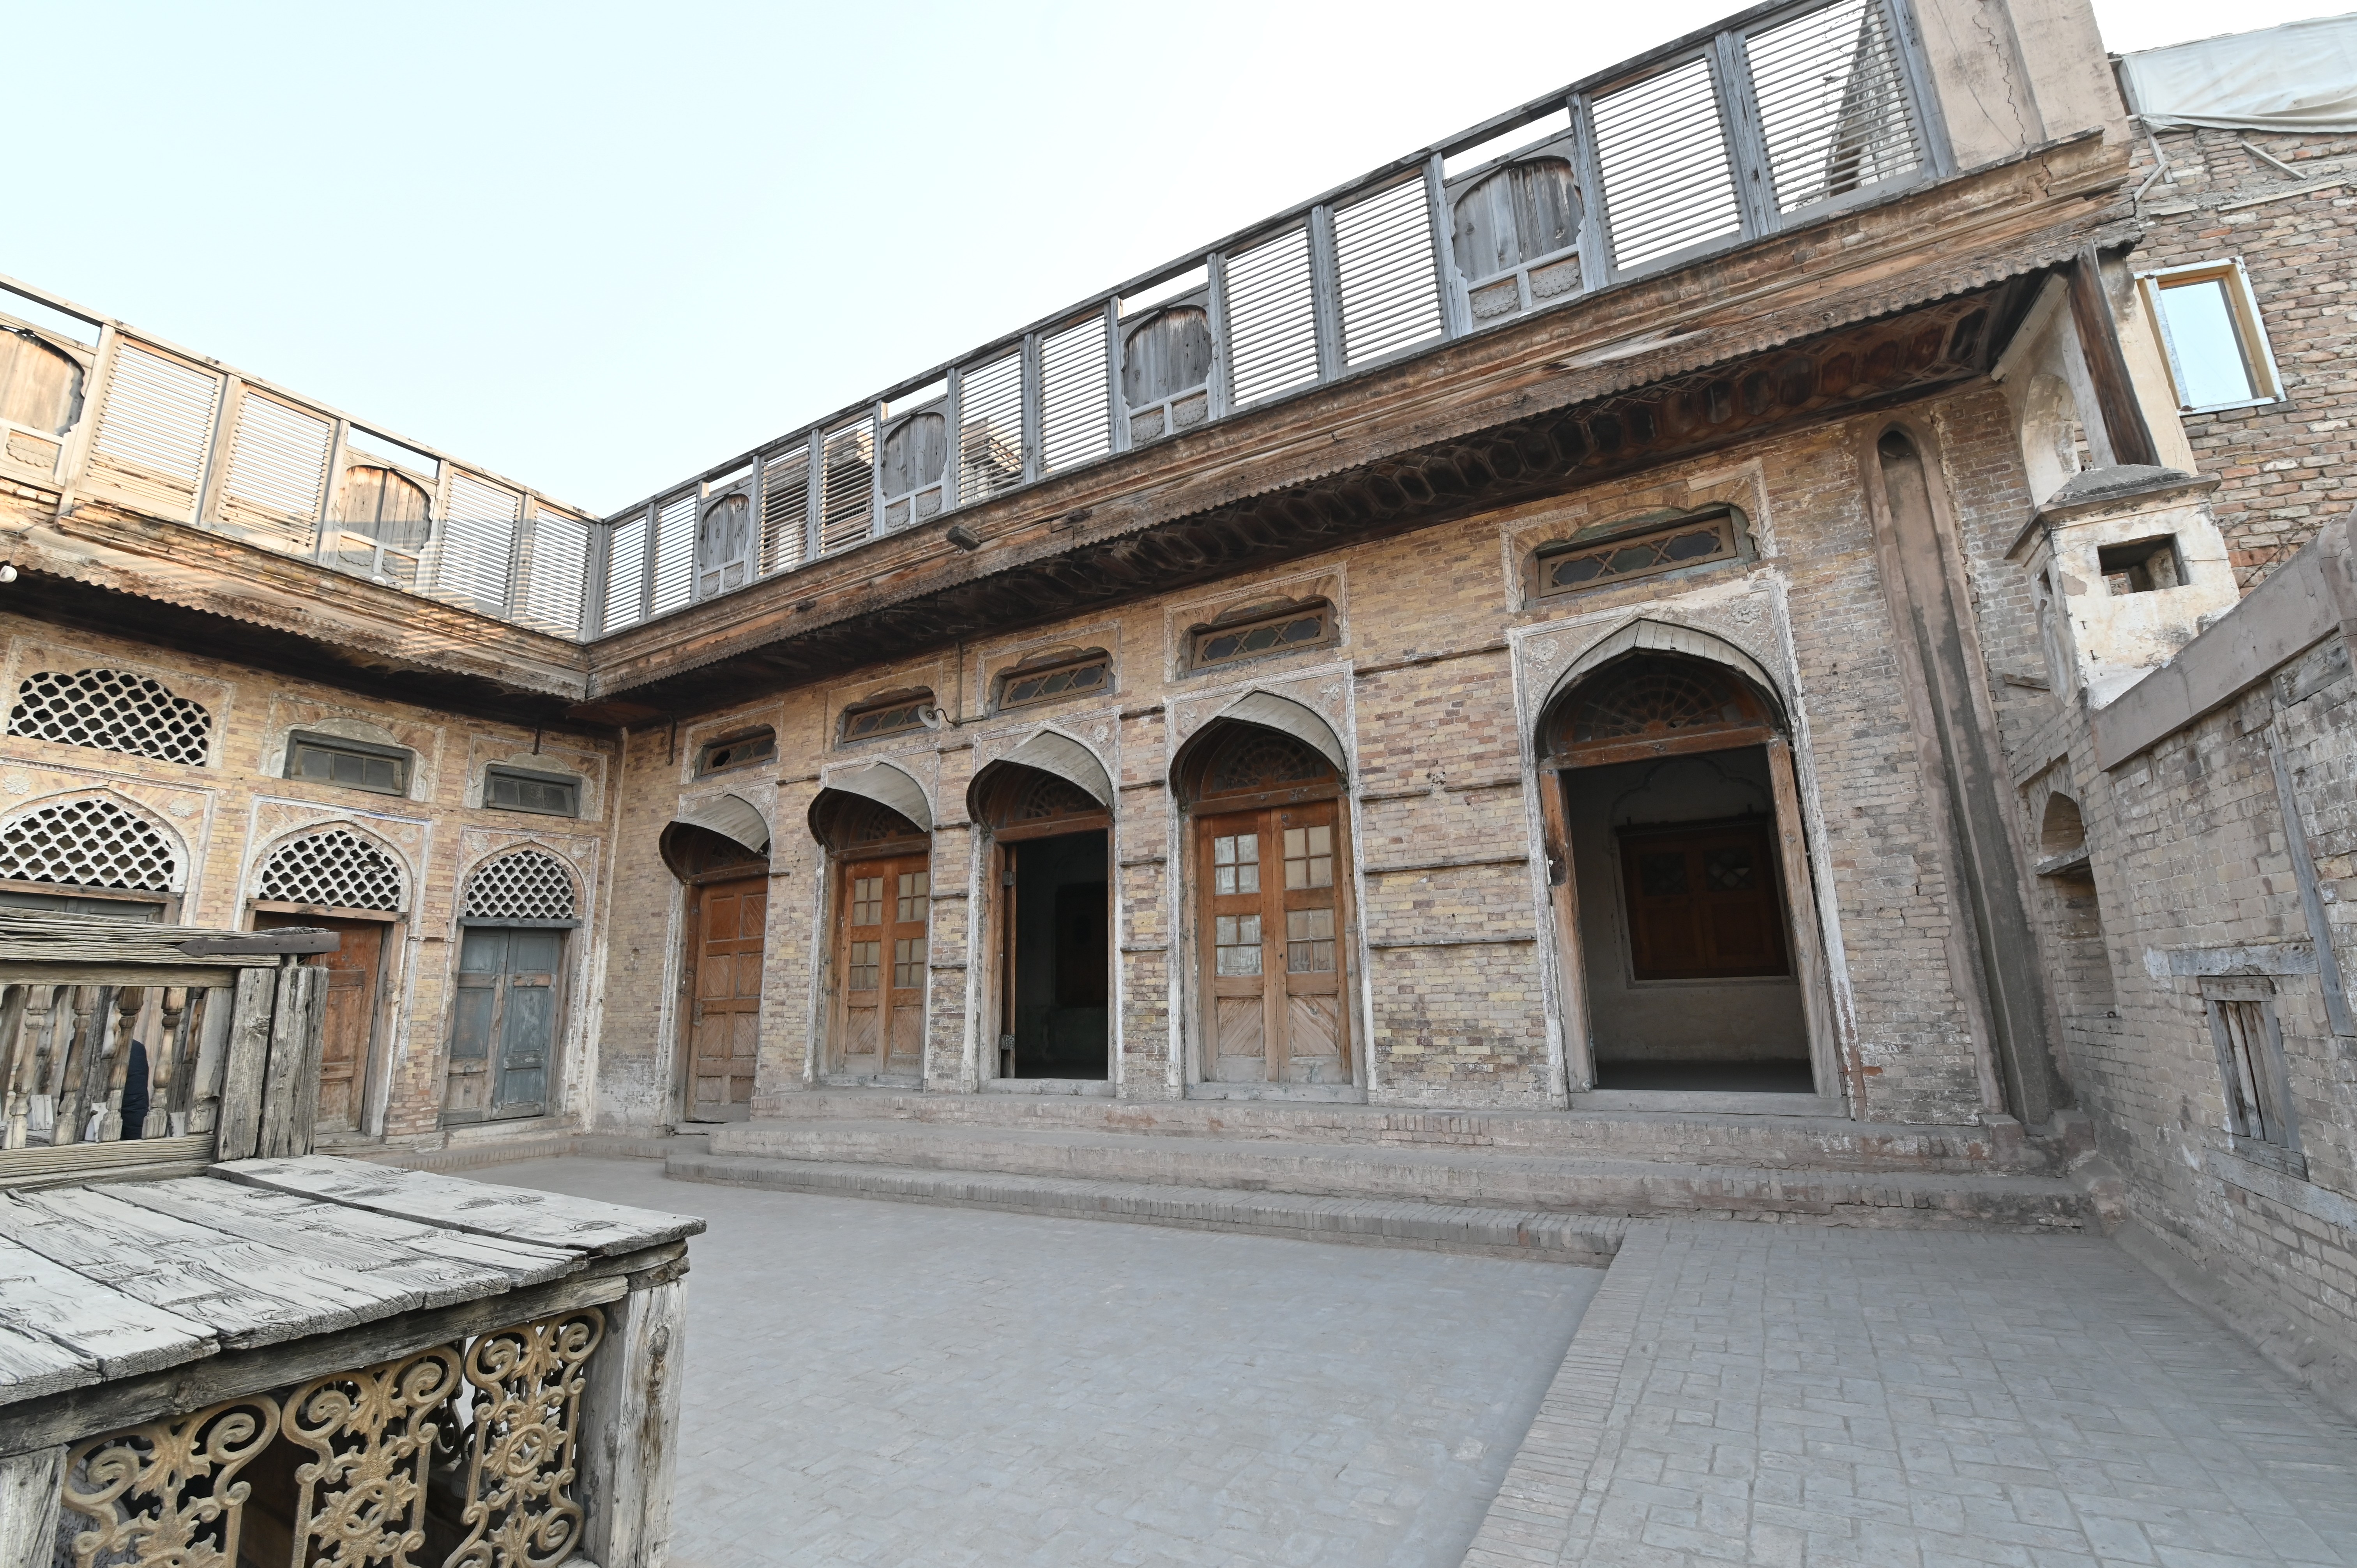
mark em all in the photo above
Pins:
pixel 111 710
pixel 86 843
pixel 336 869
pixel 1265 760
pixel 1045 796
pixel 1657 696
pixel 528 885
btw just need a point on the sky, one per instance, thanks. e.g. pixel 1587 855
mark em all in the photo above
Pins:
pixel 598 248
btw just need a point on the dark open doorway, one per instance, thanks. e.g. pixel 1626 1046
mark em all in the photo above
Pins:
pixel 1060 958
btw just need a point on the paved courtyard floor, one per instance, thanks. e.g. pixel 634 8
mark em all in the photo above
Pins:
pixel 886 1384
pixel 890 1383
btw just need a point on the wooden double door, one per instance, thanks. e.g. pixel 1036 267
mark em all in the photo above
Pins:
pixel 1272 945
pixel 355 970
pixel 504 1028
pixel 883 917
pixel 729 921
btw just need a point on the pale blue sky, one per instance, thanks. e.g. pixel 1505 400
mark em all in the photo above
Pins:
pixel 597 247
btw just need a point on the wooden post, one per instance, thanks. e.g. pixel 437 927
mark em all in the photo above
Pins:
pixel 630 1422
pixel 2107 365
pixel 247 1061
pixel 168 1072
pixel 212 1010
pixel 30 1487
pixel 16 1051
pixel 290 1089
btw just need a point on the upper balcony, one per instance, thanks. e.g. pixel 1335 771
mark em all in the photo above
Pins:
pixel 1775 121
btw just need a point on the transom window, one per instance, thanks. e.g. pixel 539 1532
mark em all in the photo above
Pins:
pixel 2218 352
pixel 516 790
pixel 893 715
pixel 1090 672
pixel 1304 627
pixel 736 751
pixel 351 764
pixel 1569 567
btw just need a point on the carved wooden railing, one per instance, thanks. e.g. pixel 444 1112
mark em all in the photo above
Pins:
pixel 457 1455
pixel 228 1026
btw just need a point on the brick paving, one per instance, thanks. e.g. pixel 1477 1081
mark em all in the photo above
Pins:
pixel 892 1383
pixel 1796 1396
pixel 896 1383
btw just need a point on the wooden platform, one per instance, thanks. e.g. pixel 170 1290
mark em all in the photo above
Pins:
pixel 104 1282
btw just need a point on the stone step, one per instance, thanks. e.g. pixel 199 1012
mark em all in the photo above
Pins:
pixel 1685 1137
pixel 1474 1176
pixel 1584 1240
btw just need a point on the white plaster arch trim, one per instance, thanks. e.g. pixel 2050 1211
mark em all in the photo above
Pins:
pixel 893 785
pixel 404 864
pixel 1068 758
pixel 1647 635
pixel 175 845
pixel 1293 718
pixel 731 816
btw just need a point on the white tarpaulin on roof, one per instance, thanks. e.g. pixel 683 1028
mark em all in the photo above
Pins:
pixel 2301 77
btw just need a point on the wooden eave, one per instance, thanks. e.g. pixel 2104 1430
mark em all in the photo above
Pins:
pixel 1606 384
pixel 101 568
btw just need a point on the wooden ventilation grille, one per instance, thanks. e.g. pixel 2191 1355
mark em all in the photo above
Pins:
pixel 1658 699
pixel 86 843
pixel 990 429
pixel 336 869
pixel 1390 295
pixel 1668 183
pixel 155 430
pixel 1264 760
pixel 111 710
pixel 278 470
pixel 675 554
pixel 1833 103
pixel 1075 421
pixel 1272 319
pixel 1653 705
pixel 558 576
pixel 529 885
pixel 873 821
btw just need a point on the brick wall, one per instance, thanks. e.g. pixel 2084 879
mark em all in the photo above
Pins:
pixel 2287 465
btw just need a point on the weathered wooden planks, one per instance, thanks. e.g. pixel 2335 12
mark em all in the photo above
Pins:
pixel 439 1266
pixel 246 1292
pixel 601 1229
pixel 119 1336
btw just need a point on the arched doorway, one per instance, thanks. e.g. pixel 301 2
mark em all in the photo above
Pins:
pixel 339 878
pixel 1269 853
pixel 515 912
pixel 1051 927
pixel 728 883
pixel 881 896
pixel 1679 874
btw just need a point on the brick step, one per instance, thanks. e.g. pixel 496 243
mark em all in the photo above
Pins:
pixel 1687 1137
pixel 1479 1177
pixel 1583 1240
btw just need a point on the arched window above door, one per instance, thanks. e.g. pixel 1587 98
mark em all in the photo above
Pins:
pixel 1650 705
pixel 854 824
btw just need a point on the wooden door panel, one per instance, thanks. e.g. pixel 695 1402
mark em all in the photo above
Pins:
pixel 349 1022
pixel 1313 1038
pixel 1701 903
pixel 482 961
pixel 1239 1039
pixel 882 964
pixel 731 926
pixel 1271 945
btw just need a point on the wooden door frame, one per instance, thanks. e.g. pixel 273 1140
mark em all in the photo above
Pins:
pixel 560 1015
pixel 1797 886
pixel 1348 981
pixel 834 915
pixel 998 955
pixel 691 954
pixel 376 1087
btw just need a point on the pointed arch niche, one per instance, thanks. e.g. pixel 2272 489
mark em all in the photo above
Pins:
pixel 1684 920
pixel 1046 918
pixel 1266 847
